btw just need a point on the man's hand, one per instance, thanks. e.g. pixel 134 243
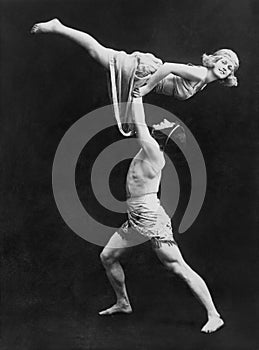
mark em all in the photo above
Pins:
pixel 140 92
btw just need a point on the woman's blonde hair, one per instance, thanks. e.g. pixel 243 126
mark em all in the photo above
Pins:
pixel 210 60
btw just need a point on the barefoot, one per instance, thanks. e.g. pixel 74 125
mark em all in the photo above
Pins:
pixel 46 27
pixel 124 308
pixel 214 323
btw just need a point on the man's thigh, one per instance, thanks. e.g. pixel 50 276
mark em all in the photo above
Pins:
pixel 117 245
pixel 169 253
pixel 122 240
pixel 118 241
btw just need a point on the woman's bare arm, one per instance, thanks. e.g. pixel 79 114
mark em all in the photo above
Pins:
pixel 194 73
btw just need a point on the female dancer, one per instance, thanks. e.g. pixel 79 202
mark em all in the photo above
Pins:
pixel 138 73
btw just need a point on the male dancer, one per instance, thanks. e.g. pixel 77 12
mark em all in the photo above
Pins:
pixel 146 217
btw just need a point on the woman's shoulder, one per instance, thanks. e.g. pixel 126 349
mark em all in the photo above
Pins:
pixel 201 70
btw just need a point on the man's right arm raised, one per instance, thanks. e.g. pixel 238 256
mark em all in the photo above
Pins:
pixel 147 142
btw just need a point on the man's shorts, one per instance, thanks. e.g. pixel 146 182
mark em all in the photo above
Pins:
pixel 148 218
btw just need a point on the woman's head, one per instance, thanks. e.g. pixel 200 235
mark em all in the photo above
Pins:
pixel 227 57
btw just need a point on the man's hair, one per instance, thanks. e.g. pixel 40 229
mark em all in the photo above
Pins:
pixel 162 136
pixel 209 61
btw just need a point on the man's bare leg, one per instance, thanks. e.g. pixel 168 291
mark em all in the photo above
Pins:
pixel 93 47
pixel 109 257
pixel 172 258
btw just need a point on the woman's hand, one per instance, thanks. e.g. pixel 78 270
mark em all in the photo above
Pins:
pixel 140 92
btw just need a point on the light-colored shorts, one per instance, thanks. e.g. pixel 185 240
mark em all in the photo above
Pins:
pixel 147 217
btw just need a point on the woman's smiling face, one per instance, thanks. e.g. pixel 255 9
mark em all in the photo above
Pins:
pixel 223 68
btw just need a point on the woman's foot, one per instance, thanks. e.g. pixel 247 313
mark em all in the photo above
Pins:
pixel 46 27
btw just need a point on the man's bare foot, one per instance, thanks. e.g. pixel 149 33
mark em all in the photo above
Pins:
pixel 116 308
pixel 46 27
pixel 214 323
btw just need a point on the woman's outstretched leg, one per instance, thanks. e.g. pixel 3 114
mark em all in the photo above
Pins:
pixel 92 46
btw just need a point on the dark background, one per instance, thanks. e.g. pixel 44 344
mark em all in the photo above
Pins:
pixel 52 281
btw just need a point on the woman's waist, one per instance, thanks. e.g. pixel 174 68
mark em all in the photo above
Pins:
pixel 147 64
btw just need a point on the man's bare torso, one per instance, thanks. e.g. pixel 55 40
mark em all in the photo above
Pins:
pixel 143 175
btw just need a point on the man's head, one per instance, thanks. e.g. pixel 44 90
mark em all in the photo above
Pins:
pixel 165 130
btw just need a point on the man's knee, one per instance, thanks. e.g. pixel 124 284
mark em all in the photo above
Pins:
pixel 107 258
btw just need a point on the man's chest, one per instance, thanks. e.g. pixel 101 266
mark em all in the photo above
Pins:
pixel 141 169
